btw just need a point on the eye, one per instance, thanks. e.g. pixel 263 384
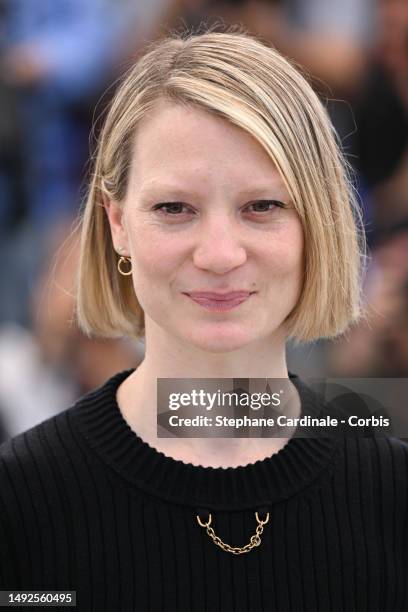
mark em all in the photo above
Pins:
pixel 174 209
pixel 267 205
pixel 170 208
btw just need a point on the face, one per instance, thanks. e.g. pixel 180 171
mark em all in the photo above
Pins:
pixel 206 211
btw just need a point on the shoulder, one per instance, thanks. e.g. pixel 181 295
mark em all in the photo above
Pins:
pixel 382 453
pixel 381 449
pixel 52 446
pixel 33 467
pixel 58 450
pixel 58 436
pixel 389 457
pixel 374 468
pixel 45 473
pixel 366 487
pixel 36 448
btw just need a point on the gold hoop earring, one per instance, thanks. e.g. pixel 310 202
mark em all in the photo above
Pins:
pixel 127 261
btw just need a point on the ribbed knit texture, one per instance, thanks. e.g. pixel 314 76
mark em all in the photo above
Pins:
pixel 87 505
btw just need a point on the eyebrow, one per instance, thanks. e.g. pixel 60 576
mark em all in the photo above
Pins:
pixel 174 191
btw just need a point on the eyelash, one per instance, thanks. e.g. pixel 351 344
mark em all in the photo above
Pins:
pixel 276 204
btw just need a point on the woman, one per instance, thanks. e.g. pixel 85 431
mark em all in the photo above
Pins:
pixel 216 171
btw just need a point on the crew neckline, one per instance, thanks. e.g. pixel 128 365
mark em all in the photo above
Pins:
pixel 267 481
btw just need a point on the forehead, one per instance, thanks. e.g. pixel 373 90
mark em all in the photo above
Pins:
pixel 194 144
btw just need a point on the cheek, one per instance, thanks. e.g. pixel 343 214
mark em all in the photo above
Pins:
pixel 157 256
pixel 285 253
pixel 155 259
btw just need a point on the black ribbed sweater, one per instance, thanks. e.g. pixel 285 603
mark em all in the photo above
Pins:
pixel 87 505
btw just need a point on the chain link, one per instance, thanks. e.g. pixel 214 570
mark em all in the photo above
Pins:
pixel 255 539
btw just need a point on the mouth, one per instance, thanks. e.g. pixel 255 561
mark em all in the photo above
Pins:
pixel 220 303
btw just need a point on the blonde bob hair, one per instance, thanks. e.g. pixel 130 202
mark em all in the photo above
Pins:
pixel 244 81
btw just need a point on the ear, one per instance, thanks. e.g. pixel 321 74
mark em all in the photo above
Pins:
pixel 116 221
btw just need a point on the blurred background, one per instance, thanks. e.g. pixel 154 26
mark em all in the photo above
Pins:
pixel 58 61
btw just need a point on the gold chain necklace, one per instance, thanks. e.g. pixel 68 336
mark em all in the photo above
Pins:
pixel 236 550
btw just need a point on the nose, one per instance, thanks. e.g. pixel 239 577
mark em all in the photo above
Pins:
pixel 219 246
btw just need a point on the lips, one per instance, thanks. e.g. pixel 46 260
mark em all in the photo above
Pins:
pixel 218 302
pixel 219 297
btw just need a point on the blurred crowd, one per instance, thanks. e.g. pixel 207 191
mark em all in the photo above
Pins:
pixel 58 61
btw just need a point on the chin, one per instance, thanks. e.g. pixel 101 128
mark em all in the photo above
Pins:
pixel 220 339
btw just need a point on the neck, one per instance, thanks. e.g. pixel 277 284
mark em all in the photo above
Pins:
pixel 137 396
pixel 173 357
